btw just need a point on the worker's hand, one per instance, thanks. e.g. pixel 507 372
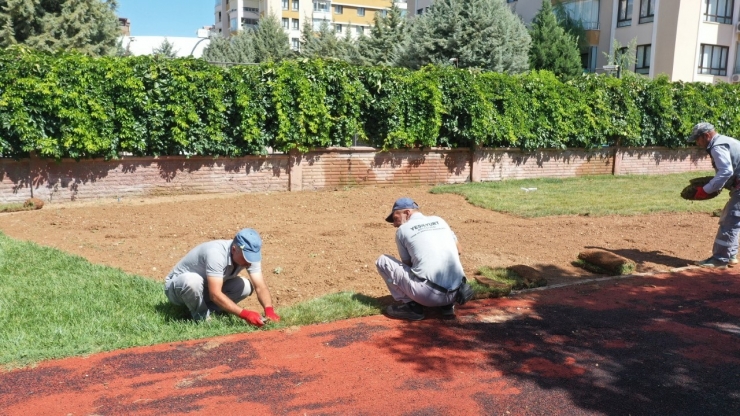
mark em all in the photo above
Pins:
pixel 700 194
pixel 270 313
pixel 252 317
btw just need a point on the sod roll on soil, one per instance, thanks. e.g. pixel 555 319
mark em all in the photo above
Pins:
pixel 608 261
pixel 689 191
pixel 531 277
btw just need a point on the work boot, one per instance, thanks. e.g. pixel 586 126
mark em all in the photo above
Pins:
pixel 410 311
pixel 711 263
pixel 448 311
pixel 733 260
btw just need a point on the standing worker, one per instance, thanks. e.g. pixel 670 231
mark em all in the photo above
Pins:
pixel 206 280
pixel 725 154
pixel 429 273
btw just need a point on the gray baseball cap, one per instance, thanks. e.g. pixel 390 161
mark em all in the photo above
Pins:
pixel 698 130
pixel 250 242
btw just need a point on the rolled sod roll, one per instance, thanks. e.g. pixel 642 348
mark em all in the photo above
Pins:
pixel 531 277
pixel 689 191
pixel 608 261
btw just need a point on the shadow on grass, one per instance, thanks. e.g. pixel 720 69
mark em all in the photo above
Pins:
pixel 375 302
pixel 173 313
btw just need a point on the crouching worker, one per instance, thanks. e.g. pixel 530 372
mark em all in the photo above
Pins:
pixel 725 154
pixel 206 280
pixel 429 273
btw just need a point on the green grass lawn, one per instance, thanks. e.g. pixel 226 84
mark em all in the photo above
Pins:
pixel 55 305
pixel 586 195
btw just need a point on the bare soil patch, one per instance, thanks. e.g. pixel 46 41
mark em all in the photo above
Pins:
pixel 317 243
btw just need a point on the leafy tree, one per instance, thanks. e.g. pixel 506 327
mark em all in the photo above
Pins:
pixel 624 56
pixel 88 26
pixel 553 49
pixel 476 33
pixel 270 42
pixel 386 40
pixel 166 49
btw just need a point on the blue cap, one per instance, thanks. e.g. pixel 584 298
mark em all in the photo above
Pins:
pixel 402 203
pixel 251 244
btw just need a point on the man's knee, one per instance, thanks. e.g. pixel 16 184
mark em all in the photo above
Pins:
pixel 184 284
pixel 237 289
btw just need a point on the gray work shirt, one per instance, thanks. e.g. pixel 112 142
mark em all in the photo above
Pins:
pixel 430 247
pixel 725 153
pixel 212 258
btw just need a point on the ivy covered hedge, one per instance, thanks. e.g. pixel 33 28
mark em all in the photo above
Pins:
pixel 69 105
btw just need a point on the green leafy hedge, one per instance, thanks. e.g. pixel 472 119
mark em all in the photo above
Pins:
pixel 69 105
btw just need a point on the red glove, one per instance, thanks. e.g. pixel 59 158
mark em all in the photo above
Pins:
pixel 700 194
pixel 252 317
pixel 270 313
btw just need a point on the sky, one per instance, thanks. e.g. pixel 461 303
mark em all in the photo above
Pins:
pixel 166 17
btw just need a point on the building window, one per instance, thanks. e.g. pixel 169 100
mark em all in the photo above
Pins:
pixel 588 59
pixel 249 23
pixel 296 26
pixel 642 64
pixel 419 11
pixel 511 1
pixel 295 5
pixel 719 11
pixel 584 11
pixel 360 30
pixel 320 6
pixel 218 2
pixel 338 9
pixel 624 14
pixel 252 9
pixel 713 60
pixel 295 43
pixel 232 24
pixel 285 4
pixel 286 23
pixel 338 28
pixel 647 11
pixel 360 11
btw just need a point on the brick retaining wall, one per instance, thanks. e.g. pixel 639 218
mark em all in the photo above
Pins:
pixel 327 168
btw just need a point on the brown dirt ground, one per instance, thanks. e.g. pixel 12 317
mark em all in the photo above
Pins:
pixel 325 242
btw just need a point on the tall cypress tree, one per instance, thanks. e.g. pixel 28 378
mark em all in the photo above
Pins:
pixel 88 26
pixel 165 49
pixel 235 49
pixel 270 42
pixel 385 44
pixel 552 48
pixel 476 33
pixel 321 44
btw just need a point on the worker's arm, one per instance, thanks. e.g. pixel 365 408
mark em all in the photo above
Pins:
pixel 215 284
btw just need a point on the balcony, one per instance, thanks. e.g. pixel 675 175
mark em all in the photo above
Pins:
pixel 321 10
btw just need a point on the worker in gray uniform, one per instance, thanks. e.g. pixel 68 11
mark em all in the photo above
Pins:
pixel 207 279
pixel 429 273
pixel 725 154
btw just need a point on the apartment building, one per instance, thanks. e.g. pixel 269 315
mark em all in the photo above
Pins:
pixel 354 16
pixel 688 40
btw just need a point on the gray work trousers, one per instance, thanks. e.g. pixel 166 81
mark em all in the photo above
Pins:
pixel 191 290
pixel 725 243
pixel 398 278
